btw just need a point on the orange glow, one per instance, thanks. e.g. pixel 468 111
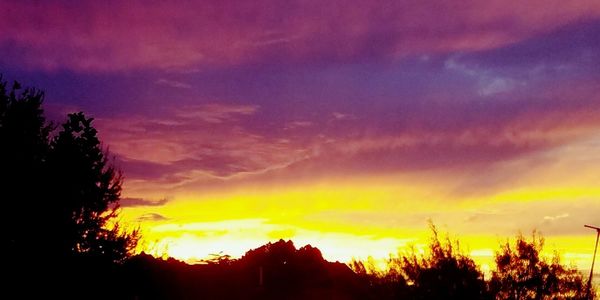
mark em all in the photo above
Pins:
pixel 359 218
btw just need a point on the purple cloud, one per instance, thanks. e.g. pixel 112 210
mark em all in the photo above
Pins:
pixel 213 93
pixel 131 202
pixel 152 217
pixel 182 35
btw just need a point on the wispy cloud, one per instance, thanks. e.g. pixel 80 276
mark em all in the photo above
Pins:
pixel 489 83
pixel 557 217
pixel 298 124
pixel 342 116
pixel 216 112
pixel 152 217
pixel 132 202
pixel 173 83
pixel 199 142
pixel 204 145
pixel 183 34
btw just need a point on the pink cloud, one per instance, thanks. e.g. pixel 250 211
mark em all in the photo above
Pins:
pixel 206 141
pixel 173 83
pixel 118 35
pixel 209 146
pixel 216 112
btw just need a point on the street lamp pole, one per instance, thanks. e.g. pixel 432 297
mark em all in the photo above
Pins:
pixel 595 249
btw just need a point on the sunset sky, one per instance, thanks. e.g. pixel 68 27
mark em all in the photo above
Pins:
pixel 343 124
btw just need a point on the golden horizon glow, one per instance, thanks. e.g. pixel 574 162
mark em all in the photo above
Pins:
pixel 357 219
pixel 378 216
pixel 176 241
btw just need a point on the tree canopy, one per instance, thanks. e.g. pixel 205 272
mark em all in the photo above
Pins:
pixel 445 273
pixel 24 146
pixel 521 273
pixel 59 189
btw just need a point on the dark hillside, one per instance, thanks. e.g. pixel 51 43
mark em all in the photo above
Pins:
pixel 287 273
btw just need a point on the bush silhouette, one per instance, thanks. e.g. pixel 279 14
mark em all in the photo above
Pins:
pixel 381 284
pixel 445 273
pixel 522 274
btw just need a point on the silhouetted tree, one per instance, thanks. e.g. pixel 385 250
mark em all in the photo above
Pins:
pixel 522 274
pixel 59 195
pixel 444 273
pixel 86 189
pixel 381 284
pixel 23 150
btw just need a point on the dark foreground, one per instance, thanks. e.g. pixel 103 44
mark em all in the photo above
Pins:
pixel 280 271
pixel 273 271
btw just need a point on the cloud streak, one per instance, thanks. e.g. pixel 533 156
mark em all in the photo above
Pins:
pixel 152 217
pixel 214 144
pixel 133 202
pixel 115 35
pixel 173 83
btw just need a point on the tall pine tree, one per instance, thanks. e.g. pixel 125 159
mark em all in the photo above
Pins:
pixel 88 189
pixel 60 195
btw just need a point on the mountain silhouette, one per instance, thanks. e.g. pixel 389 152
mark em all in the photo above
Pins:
pixel 274 271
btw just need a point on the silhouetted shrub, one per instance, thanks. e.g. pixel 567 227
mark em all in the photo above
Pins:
pixel 381 284
pixel 443 273
pixel 522 274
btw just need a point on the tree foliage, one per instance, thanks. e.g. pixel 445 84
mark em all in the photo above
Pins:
pixel 443 273
pixel 60 193
pixel 89 189
pixel 522 274
pixel 24 140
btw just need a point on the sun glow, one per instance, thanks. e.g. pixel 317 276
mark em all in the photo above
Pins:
pixel 351 221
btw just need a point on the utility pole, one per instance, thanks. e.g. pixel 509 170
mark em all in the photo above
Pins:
pixel 594 257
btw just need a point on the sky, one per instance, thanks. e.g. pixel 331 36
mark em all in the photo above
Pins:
pixel 347 125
